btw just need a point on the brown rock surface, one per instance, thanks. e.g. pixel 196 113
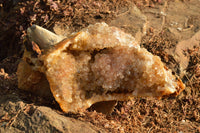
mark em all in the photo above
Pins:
pixel 126 19
pixel 181 51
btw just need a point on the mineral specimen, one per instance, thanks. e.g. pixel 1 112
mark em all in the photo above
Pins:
pixel 99 63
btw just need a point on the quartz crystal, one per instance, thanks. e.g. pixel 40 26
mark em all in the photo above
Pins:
pixel 99 63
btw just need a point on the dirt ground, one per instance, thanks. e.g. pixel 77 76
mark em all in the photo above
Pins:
pixel 169 29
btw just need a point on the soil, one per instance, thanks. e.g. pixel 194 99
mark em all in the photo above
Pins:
pixel 169 29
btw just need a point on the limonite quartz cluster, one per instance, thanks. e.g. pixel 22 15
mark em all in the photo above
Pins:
pixel 97 64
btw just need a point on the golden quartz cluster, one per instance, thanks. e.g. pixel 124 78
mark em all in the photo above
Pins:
pixel 99 63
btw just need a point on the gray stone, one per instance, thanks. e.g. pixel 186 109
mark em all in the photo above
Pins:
pixel 29 118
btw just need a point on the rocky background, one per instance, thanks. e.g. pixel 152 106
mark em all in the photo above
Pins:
pixel 167 28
